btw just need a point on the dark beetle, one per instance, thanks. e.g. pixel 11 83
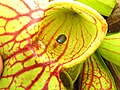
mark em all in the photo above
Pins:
pixel 61 39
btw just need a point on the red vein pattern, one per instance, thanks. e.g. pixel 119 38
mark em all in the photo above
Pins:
pixel 95 75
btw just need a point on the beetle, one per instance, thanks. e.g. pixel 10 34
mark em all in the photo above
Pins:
pixel 60 40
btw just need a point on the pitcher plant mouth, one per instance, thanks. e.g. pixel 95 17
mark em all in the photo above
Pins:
pixel 83 27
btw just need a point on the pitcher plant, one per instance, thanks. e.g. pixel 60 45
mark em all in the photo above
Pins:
pixel 46 45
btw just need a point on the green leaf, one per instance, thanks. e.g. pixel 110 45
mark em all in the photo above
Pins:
pixel 66 80
pixel 115 71
pixel 74 71
pixel 70 75
pixel 116 75
pixel 110 48
pixel 96 75
pixel 104 7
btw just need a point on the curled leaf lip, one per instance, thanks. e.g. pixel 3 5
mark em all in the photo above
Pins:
pixel 83 20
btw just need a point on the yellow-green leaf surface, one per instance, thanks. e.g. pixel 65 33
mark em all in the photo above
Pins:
pixel 110 48
pixel 96 75
pixel 74 71
pixel 33 54
pixel 116 75
pixel 104 7
pixel 70 75
pixel 115 70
